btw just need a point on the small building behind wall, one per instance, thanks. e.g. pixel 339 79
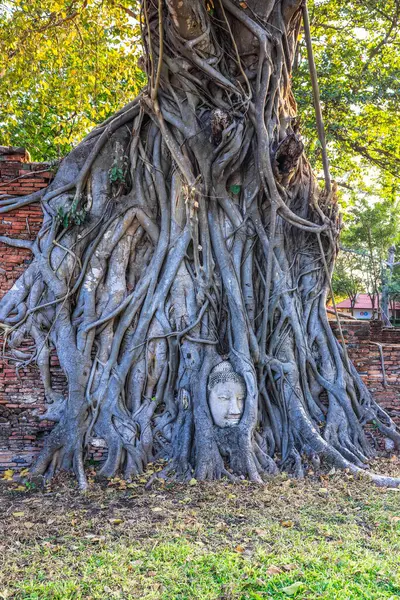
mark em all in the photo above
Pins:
pixel 363 308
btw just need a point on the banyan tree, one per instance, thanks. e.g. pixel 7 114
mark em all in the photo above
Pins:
pixel 182 269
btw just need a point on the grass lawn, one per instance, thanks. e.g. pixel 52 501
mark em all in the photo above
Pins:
pixel 329 537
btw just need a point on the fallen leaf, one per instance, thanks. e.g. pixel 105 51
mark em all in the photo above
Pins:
pixel 24 472
pixel 29 525
pixel 291 590
pixel 273 570
pixel 18 514
pixel 239 549
pixel 193 481
pixel 20 488
pixel 8 475
pixel 323 491
pixel 116 521
pixel 95 538
pixel 157 509
pixel 287 523
pixel 289 567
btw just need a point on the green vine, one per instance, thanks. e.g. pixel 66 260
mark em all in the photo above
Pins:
pixel 71 216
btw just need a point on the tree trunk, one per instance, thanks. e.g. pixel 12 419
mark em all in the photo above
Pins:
pixel 179 272
pixel 387 272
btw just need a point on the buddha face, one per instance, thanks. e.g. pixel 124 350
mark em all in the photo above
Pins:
pixel 226 395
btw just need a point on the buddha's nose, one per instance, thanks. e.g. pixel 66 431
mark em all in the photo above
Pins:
pixel 234 408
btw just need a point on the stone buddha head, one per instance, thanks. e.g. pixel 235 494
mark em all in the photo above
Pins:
pixel 226 395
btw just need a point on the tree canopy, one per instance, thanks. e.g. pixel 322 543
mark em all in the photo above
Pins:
pixel 358 63
pixel 67 65
pixel 371 231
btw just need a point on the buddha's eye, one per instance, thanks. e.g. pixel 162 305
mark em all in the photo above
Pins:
pixel 223 398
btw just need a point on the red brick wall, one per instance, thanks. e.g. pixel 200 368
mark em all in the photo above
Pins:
pixel 365 355
pixel 387 335
pixel 22 393
pixel 17 178
pixel 354 331
pixel 391 335
pixel 23 224
pixel 21 397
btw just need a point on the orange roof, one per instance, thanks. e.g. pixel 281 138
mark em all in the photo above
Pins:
pixel 363 301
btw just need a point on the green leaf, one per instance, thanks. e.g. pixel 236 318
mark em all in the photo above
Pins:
pixel 291 590
pixel 116 175
pixel 235 188
pixel 62 80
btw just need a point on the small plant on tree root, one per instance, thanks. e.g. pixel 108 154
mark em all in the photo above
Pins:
pixel 214 256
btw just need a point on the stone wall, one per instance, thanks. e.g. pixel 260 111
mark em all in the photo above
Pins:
pixel 19 177
pixel 22 396
pixel 21 400
pixel 391 335
pixel 22 393
pixel 364 340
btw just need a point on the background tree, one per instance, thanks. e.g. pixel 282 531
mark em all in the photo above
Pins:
pixel 186 244
pixel 347 278
pixel 82 57
pixel 391 283
pixel 357 59
pixel 371 232
pixel 66 66
pixel 356 52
